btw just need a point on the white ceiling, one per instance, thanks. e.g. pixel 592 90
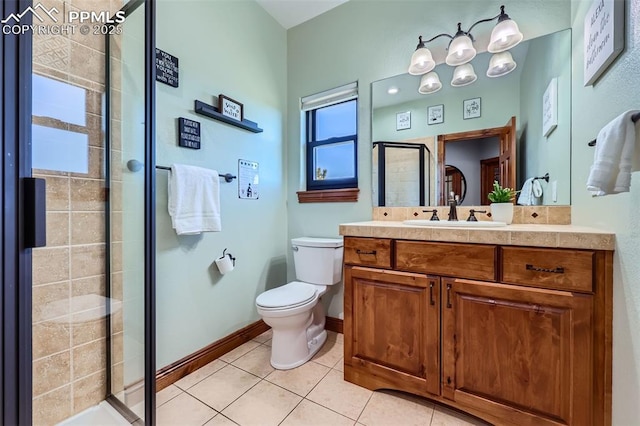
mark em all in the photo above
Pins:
pixel 290 13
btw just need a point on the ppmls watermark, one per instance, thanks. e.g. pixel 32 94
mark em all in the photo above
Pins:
pixel 50 21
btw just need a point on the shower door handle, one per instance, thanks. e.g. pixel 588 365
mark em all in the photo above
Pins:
pixel 35 209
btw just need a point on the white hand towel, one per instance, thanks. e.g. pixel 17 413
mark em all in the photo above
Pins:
pixel 611 169
pixel 536 188
pixel 526 193
pixel 194 199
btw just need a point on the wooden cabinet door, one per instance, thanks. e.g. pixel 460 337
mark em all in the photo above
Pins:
pixel 392 328
pixel 521 354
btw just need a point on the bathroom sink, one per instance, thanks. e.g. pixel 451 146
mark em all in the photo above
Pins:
pixel 455 223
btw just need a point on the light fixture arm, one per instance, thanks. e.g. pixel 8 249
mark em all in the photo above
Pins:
pixel 421 43
pixel 489 20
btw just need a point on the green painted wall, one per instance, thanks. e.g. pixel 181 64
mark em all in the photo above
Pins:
pixel 593 107
pixel 234 48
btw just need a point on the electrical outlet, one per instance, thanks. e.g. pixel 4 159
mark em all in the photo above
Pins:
pixel 554 191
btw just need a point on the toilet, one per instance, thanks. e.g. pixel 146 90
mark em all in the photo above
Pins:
pixel 293 310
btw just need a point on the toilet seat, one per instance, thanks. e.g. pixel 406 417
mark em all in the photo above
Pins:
pixel 288 296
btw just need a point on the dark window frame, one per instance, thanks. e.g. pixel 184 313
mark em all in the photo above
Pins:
pixel 312 143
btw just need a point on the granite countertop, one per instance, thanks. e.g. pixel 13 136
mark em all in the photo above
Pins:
pixel 562 236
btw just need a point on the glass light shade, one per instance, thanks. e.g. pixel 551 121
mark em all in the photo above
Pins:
pixel 504 36
pixel 461 51
pixel 430 83
pixel 501 64
pixel 463 75
pixel 421 62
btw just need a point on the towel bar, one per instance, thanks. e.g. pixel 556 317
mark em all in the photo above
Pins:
pixel 634 118
pixel 135 165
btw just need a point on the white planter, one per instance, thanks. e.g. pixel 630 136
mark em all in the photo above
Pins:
pixel 502 212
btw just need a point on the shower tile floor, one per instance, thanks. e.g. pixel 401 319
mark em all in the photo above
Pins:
pixel 242 388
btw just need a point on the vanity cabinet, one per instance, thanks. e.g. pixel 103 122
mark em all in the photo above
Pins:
pixel 513 335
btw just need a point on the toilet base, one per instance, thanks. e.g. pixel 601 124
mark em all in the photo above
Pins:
pixel 313 346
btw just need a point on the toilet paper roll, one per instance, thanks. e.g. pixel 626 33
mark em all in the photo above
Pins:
pixel 224 264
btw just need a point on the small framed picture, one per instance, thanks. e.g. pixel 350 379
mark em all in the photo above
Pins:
pixel 435 114
pixel 550 108
pixel 471 108
pixel 403 120
pixel 230 107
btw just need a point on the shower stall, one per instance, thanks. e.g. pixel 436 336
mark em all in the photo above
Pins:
pixel 85 293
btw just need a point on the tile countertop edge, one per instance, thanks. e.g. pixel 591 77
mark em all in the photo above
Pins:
pixel 553 236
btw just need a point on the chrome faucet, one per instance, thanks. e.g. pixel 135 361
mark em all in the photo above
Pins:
pixel 453 203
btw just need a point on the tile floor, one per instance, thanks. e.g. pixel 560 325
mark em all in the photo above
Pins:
pixel 242 388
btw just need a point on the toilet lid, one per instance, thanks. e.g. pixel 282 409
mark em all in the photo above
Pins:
pixel 289 295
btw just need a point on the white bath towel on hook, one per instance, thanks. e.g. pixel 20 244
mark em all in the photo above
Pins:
pixel 194 199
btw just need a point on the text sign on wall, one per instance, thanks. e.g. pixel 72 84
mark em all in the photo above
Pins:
pixel 188 133
pixel 603 37
pixel 166 68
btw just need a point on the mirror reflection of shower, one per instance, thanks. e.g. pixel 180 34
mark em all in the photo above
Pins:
pixel 402 175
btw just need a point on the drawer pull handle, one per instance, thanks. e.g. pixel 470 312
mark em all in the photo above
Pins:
pixel 449 296
pixel 433 302
pixel 558 270
pixel 372 252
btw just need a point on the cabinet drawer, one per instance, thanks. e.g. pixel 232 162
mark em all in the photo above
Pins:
pixel 548 268
pixel 368 252
pixel 475 261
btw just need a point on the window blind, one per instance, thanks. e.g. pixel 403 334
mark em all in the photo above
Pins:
pixel 330 97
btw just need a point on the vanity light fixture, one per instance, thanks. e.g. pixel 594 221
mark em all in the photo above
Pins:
pixel 463 75
pixel 501 64
pixel 461 51
pixel 430 83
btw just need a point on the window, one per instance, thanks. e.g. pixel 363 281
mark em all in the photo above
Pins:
pixel 332 139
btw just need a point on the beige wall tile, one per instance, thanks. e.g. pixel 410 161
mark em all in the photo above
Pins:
pixel 50 301
pixel 53 407
pixel 87 63
pixel 117 378
pixel 87 260
pixel 94 126
pixel 90 285
pixel 116 196
pixel 89 391
pixel 117 324
pixel 51 372
pixel 57 191
pixel 517 214
pixel 94 101
pixel 50 337
pixel 116 285
pixel 87 195
pixel 117 347
pixel 559 215
pixel 117 166
pixel 87 228
pixel 116 227
pixel 116 257
pixel 116 104
pixel 57 229
pixel 50 265
pixel 88 359
pixel 96 164
pixel 52 52
pixel 87 331
pixel 534 214
pixel 116 135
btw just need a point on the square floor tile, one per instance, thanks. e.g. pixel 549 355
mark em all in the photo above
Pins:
pixel 300 379
pixel 263 405
pixel 200 374
pixel 239 351
pixel 264 336
pixel 338 338
pixel 256 361
pixel 167 394
pixel 184 410
pixel 329 354
pixel 309 413
pixel 445 417
pixel 223 387
pixel 386 408
pixel 340 396
pixel 339 365
pixel 220 420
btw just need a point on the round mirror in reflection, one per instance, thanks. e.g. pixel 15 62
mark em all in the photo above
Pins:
pixel 454 181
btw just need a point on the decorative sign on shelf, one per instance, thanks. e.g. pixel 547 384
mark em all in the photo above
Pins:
pixel 166 68
pixel 550 107
pixel 603 37
pixel 188 133
pixel 248 180
pixel 230 108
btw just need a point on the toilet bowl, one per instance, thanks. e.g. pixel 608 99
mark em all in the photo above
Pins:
pixel 294 310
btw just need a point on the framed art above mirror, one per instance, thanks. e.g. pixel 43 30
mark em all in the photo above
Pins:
pixel 519 93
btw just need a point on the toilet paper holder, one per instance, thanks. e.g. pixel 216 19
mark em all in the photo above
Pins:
pixel 224 253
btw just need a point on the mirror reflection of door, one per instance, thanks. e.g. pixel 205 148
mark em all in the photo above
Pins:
pixel 489 172
pixel 455 182
pixel 505 138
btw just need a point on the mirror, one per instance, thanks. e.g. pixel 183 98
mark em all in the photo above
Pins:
pixel 455 183
pixel 520 93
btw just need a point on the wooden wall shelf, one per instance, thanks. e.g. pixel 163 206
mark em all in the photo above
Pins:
pixel 211 111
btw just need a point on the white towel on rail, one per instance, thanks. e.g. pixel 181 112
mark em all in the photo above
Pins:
pixel 530 193
pixel 612 161
pixel 194 199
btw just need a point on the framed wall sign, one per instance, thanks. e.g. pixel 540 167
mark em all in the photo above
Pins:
pixel 166 68
pixel 230 108
pixel 403 120
pixel 188 133
pixel 603 37
pixel 435 114
pixel 550 107
pixel 471 108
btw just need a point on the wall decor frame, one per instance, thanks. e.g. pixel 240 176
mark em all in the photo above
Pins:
pixel 403 120
pixel 435 114
pixel 230 107
pixel 471 108
pixel 550 108
pixel 603 37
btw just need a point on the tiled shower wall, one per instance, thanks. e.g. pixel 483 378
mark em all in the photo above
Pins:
pixel 69 332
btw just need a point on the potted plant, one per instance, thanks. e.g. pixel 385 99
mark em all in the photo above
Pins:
pixel 502 203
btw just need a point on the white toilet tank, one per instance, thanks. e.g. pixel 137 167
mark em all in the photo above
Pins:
pixel 318 260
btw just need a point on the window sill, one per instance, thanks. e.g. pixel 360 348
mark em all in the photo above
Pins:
pixel 348 195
